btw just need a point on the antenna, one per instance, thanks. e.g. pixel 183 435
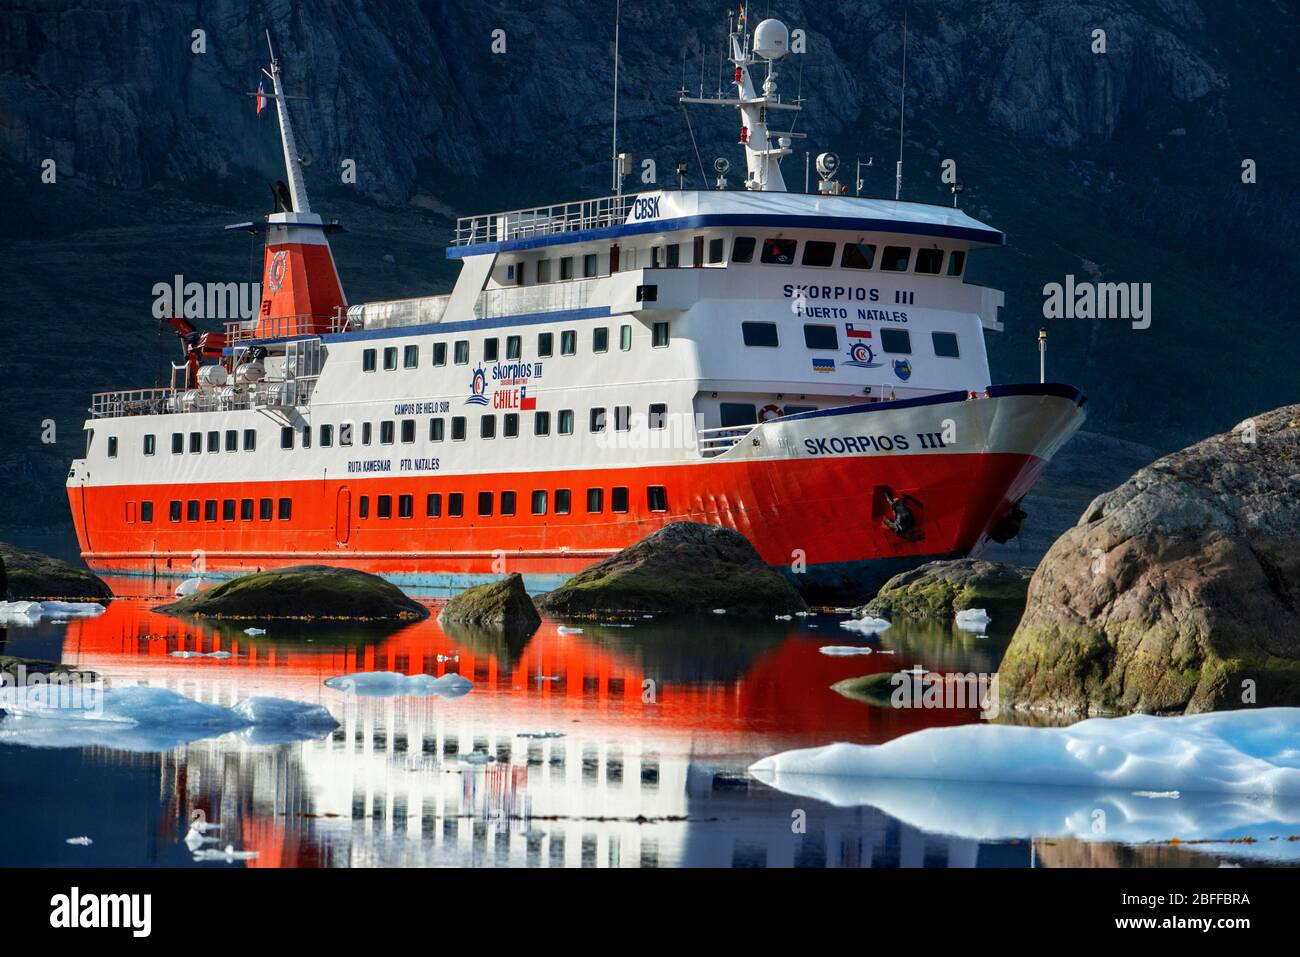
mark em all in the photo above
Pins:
pixel 902 109
pixel 618 180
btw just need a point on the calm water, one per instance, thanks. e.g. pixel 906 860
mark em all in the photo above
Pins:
pixel 629 779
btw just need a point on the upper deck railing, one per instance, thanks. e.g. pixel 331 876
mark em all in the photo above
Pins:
pixel 544 220
pixel 283 327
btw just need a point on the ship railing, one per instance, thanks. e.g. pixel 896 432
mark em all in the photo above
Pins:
pixel 285 327
pixel 271 394
pixel 129 402
pixel 525 300
pixel 713 442
pixel 543 220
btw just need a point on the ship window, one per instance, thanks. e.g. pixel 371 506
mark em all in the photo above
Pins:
pixel 779 251
pixel 286 437
pixel 250 440
pixel 286 509
pixel 410 357
pixel 858 256
pixel 507 503
pixel 150 444
pixel 622 418
pixel 895 258
pixel 368 360
pixel 196 442
pixel 363 507
pixel 383 506
pixel 210 510
pixel 462 352
pixel 178 443
pixel 246 509
pixel 820 337
pixel 192 510
pixel 390 358
pixel 596 420
pixel 658 417
pixel 564 422
pixel 715 250
pixel 673 255
pixel 228 510
pixel 146 512
pixel 541 423
pixel 590 265
pixel 659 336
pixel 742 250
pixel 516 273
pixel 408 430
pixel 568 342
pixel 818 253
pixel 455 505
pixel 600 339
pixel 491 349
pixel 539 501
pixel 326 436
pixel 618 499
pixel 595 500
pixel 945 345
pixel 737 413
pixel 440 353
pixel 386 432
pixel 232 440
pixel 437 430
pixel 345 433
pixel 656 498
pixel 510 425
pixel 265 509
pixel 929 261
pixel 956 262
pixel 433 505
pixel 563 501
pixel 367 433
pixel 897 341
pixel 458 428
pixel 543 270
pixel 112 446
pixel 485 503
pixel 514 347
pixel 625 338
pixel 566 267
pixel 545 343
pixel 760 334
pixel 487 427
pixel 174 511
pixel 405 506
pixel 796 409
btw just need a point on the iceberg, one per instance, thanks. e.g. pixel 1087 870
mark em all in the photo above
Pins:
pixel 868 625
pixel 844 650
pixel 281 721
pixel 32 612
pixel 973 619
pixel 391 684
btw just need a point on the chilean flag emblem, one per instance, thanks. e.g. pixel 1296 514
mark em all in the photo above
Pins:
pixel 526 402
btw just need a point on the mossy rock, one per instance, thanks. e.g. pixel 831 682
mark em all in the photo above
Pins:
pixel 684 568
pixel 943 588
pixel 494 607
pixel 31 576
pixel 301 591
pixel 874 689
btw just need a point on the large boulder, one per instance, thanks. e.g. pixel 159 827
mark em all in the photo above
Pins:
pixel 941 589
pixel 301 591
pixel 683 568
pixel 32 575
pixel 501 606
pixel 1177 592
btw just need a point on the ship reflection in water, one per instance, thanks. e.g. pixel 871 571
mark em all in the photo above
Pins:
pixel 613 747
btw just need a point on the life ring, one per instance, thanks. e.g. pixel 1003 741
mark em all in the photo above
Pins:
pixel 769 412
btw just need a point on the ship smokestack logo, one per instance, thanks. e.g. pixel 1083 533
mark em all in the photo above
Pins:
pixel 276 270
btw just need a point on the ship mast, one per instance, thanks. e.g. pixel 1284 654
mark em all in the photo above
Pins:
pixel 768 42
pixel 292 163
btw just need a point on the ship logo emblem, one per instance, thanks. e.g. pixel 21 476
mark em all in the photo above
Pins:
pixel 860 352
pixel 903 369
pixel 275 272
pixel 478 388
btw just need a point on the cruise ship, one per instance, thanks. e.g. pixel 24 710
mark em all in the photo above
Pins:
pixel 806 368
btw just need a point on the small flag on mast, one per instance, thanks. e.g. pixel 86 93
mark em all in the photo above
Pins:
pixel 261 98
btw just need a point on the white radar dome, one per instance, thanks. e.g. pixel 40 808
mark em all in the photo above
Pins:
pixel 771 40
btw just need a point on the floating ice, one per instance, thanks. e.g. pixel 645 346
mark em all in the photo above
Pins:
pixel 844 650
pixel 391 684
pixel 476 757
pixel 200 654
pixel 31 612
pixel 1173 795
pixel 566 630
pixel 79 841
pixel 229 855
pixel 254 631
pixel 784 617
pixel 719 611
pixel 281 721
pixel 973 619
pixel 868 625
pixel 539 734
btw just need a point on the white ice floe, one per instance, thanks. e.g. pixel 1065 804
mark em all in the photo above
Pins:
pixel 566 630
pixel 200 654
pixel 391 684
pixel 192 586
pixel 79 841
pixel 719 611
pixel 973 619
pixel 254 631
pixel 33 612
pixel 844 650
pixel 229 855
pixel 868 625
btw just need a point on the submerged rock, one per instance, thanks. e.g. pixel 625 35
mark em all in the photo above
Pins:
pixel 502 606
pixel 684 568
pixel 16 666
pixel 30 574
pixel 940 589
pixel 1177 592
pixel 301 591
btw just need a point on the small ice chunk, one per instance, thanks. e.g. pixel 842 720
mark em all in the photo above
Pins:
pixel 973 619
pixel 844 650
pixel 254 631
pixel 80 841
pixel 785 617
pixel 539 734
pixel 719 611
pixel 71 609
pixel 391 684
pixel 32 612
pixel 1171 795
pixel 229 855
pixel 477 757
pixel 868 625
pixel 566 630
pixel 267 711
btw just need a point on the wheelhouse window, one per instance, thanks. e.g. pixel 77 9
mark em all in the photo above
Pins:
pixel 367 433
pixel 716 251
pixel 622 418
pixel 174 511
pixel 228 510
pixel 895 258
pixel 820 337
pixel 945 345
pixel 818 253
pixel 858 256
pixel 760 334
pixel 146 512
pixel 929 261
pixel 779 251
pixel 896 341
pixel 956 262
pixel 210 510
pixel 246 509
pixel 742 250
pixel 112 446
